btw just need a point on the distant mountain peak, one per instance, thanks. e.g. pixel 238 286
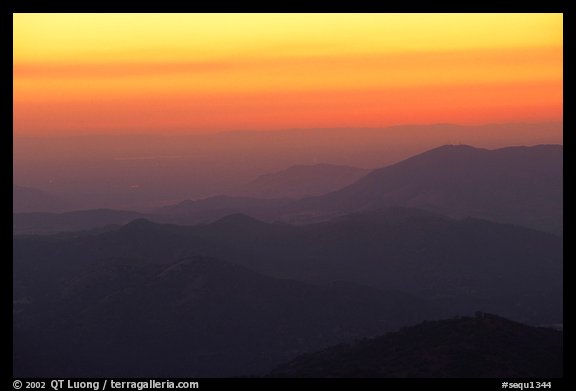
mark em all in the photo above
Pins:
pixel 453 149
pixel 139 225
pixel 461 147
pixel 519 185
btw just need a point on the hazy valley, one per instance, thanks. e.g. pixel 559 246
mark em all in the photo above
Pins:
pixel 237 284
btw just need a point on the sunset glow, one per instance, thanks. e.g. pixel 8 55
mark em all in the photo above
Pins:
pixel 78 73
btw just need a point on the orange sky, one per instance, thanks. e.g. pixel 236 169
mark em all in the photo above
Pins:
pixel 210 72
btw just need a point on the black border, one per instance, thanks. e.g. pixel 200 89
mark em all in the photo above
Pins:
pixel 7 163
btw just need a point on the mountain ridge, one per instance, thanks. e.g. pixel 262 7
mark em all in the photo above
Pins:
pixel 462 262
pixel 466 347
pixel 518 185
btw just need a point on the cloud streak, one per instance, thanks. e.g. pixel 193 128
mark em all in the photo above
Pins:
pixel 550 57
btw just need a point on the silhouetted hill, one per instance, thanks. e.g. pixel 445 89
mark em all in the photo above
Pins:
pixel 301 181
pixel 517 185
pixel 196 317
pixel 49 223
pixel 26 199
pixel 462 264
pixel 213 208
pixel 483 346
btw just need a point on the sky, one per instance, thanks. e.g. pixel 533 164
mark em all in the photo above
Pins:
pixel 198 73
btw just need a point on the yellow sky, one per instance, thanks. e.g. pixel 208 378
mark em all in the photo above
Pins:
pixel 229 71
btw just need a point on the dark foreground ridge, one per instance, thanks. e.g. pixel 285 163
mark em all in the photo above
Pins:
pixel 472 347
pixel 197 317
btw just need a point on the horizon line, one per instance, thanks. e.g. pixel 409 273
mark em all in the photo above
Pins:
pixel 175 132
